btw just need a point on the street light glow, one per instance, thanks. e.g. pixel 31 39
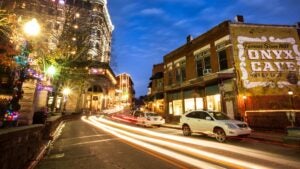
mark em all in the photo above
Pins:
pixel 32 27
pixel 51 70
pixel 66 91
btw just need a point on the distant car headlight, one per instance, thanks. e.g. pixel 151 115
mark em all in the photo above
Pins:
pixel 231 126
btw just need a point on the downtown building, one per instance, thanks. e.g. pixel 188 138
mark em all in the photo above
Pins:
pixel 155 95
pixel 89 75
pixel 125 93
pixel 248 71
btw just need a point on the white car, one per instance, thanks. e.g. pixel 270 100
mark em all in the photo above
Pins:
pixel 212 123
pixel 148 119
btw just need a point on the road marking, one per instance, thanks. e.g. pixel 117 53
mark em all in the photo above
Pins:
pixel 60 155
pixel 73 138
pixel 90 142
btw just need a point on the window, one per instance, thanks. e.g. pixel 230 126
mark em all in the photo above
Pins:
pixel 199 67
pixel 221 46
pixel 180 73
pixel 193 114
pixel 203 65
pixel 222 60
pixel 169 74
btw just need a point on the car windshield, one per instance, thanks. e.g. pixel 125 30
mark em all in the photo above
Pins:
pixel 219 116
pixel 151 114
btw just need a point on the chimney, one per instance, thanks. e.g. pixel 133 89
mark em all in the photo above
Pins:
pixel 189 38
pixel 239 18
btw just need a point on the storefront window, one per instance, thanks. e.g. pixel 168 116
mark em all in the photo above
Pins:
pixel 189 104
pixel 199 103
pixel 213 102
pixel 177 107
pixel 170 108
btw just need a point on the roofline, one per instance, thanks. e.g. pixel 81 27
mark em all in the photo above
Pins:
pixel 229 22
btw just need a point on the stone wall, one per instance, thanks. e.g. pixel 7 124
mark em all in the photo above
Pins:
pixel 19 146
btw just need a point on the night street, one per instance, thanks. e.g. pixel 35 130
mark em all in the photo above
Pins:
pixel 118 145
pixel 161 84
pixel 82 146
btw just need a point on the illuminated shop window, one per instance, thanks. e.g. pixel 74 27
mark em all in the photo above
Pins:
pixel 213 102
pixel 170 108
pixel 177 107
pixel 199 103
pixel 189 104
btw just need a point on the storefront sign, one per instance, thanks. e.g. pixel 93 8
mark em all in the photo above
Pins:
pixel 266 58
pixel 267 61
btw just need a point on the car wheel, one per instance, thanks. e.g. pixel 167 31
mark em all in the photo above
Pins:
pixel 220 135
pixel 186 130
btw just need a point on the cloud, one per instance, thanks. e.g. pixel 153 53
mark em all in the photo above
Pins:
pixel 180 22
pixel 152 11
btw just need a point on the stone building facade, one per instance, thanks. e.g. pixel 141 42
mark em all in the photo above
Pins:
pixel 125 93
pixel 88 93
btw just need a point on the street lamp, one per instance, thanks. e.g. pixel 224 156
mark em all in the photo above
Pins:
pixel 245 113
pixel 32 27
pixel 291 115
pixel 51 71
pixel 291 93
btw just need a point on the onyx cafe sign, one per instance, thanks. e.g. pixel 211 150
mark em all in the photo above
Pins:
pixel 268 61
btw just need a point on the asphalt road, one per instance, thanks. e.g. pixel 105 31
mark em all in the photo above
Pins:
pixel 82 146
pixel 116 145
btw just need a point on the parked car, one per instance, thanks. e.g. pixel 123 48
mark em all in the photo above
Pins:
pixel 148 118
pixel 212 123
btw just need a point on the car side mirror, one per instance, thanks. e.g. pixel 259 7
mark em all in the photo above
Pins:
pixel 208 118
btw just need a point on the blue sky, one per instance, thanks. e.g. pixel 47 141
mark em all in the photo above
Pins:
pixel 146 30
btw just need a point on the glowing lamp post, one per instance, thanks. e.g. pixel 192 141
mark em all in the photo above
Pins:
pixel 291 115
pixel 51 71
pixel 245 113
pixel 32 27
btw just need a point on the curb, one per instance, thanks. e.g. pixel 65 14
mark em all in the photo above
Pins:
pixel 46 146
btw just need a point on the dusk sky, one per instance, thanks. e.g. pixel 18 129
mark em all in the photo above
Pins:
pixel 146 30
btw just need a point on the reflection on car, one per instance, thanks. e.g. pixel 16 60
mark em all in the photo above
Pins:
pixel 212 123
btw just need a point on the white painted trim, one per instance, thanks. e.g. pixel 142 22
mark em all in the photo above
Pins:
pixel 225 38
pixel 180 59
pixel 204 48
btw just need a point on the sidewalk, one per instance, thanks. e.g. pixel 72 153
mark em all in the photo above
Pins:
pixel 266 136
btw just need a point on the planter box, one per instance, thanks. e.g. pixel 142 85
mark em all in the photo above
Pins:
pixel 293 131
pixel 293 135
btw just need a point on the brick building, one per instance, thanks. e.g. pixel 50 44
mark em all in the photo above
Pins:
pixel 248 71
pixel 155 96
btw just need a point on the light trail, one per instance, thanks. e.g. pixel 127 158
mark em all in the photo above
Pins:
pixel 230 148
pixel 195 162
pixel 227 161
